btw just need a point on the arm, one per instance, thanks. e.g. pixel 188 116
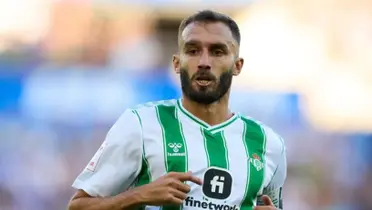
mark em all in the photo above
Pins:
pixel 169 189
pixel 126 200
pixel 105 181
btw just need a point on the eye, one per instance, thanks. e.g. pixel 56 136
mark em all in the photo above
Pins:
pixel 192 51
pixel 218 52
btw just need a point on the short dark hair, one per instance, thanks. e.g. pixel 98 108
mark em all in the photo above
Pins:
pixel 209 16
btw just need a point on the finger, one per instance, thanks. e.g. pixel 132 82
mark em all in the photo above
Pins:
pixel 185 177
pixel 176 201
pixel 189 177
pixel 181 187
pixel 267 200
pixel 179 194
pixel 178 174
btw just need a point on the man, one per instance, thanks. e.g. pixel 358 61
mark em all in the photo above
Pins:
pixel 191 153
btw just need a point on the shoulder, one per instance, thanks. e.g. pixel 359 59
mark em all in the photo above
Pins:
pixel 152 105
pixel 147 113
pixel 274 141
pixel 149 108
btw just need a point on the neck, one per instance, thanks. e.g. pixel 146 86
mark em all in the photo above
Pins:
pixel 213 114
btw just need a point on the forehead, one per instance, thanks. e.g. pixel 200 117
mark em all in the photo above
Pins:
pixel 207 33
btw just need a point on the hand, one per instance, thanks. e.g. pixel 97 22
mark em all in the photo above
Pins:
pixel 268 204
pixel 168 189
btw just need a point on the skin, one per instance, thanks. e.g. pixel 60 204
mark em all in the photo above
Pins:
pixel 206 49
pixel 209 49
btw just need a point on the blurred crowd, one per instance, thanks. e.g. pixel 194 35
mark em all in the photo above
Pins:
pixel 64 84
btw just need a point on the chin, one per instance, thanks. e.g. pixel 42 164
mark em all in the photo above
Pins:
pixel 203 90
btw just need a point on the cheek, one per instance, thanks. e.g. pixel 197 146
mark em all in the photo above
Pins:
pixel 223 67
pixel 190 64
pixel 189 60
pixel 223 62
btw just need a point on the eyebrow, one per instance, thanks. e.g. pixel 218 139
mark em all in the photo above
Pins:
pixel 192 43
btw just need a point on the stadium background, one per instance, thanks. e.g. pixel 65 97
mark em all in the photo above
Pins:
pixel 69 68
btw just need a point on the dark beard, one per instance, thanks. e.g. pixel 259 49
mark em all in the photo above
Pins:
pixel 205 96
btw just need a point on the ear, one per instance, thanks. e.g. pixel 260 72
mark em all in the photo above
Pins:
pixel 176 63
pixel 238 66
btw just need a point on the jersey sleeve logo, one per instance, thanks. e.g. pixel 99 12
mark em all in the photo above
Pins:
pixel 94 161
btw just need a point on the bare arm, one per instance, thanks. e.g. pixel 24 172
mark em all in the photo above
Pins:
pixel 112 169
pixel 168 189
pixel 126 200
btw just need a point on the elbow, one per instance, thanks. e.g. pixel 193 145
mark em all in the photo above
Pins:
pixel 76 201
pixel 73 204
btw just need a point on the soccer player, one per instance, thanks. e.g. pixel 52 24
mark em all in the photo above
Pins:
pixel 192 152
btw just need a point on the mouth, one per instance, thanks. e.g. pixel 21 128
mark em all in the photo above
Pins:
pixel 204 80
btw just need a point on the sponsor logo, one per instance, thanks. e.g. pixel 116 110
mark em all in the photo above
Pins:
pixel 205 204
pixel 217 183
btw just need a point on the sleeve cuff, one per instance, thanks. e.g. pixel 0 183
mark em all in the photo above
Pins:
pixel 79 185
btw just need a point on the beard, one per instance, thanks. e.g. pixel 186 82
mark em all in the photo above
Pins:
pixel 205 95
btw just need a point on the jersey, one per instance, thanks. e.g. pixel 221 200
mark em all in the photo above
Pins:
pixel 238 160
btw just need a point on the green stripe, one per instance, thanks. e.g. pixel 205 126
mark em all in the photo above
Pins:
pixel 216 149
pixel 144 176
pixel 205 145
pixel 255 143
pixel 175 149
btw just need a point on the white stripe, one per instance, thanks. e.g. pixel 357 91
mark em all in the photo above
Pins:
pixel 153 141
pixel 237 160
pixel 274 146
pixel 197 159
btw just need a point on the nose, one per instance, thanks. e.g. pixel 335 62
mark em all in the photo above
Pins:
pixel 204 61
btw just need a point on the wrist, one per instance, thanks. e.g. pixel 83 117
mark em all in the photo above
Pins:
pixel 132 199
pixel 138 196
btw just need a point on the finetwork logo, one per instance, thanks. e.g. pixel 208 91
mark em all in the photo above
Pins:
pixel 217 183
pixel 175 149
pixel 191 202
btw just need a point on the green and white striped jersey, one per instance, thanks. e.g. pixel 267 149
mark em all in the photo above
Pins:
pixel 238 160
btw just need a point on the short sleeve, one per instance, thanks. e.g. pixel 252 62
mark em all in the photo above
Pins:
pixel 117 163
pixel 274 188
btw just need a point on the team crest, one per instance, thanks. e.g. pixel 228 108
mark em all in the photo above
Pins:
pixel 256 162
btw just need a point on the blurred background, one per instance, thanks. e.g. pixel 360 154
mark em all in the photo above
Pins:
pixel 69 68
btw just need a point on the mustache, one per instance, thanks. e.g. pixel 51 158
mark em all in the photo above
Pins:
pixel 203 74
